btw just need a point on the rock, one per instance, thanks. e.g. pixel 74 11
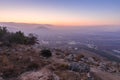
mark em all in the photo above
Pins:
pixel 103 67
pixel 109 67
pixel 90 77
pixel 79 67
pixel 43 74
pixel 31 58
pixel 84 59
pixel 71 57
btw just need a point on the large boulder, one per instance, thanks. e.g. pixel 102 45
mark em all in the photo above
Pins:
pixel 79 67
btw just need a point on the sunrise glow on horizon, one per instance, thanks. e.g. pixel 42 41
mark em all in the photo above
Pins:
pixel 61 12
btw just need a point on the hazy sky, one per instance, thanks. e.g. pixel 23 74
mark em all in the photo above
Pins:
pixel 61 12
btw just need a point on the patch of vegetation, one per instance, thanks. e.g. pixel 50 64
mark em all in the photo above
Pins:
pixel 46 53
pixel 7 38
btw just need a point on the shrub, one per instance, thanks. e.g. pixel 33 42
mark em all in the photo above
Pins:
pixel 3 31
pixel 7 38
pixel 17 38
pixel 31 39
pixel 46 53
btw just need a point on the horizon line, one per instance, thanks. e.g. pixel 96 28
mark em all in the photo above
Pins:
pixel 87 25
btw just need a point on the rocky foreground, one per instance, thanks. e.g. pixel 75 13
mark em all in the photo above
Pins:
pixel 27 63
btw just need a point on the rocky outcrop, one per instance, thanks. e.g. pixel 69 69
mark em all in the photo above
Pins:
pixel 79 67
pixel 25 63
pixel 43 74
pixel 110 67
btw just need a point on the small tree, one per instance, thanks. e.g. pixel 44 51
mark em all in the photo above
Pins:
pixel 31 39
pixel 18 38
pixel 3 32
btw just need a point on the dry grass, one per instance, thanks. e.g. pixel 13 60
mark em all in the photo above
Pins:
pixel 20 61
pixel 68 75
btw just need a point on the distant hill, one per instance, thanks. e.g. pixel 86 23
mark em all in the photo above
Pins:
pixel 42 28
pixel 25 25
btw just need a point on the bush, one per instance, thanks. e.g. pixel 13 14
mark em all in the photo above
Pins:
pixel 3 31
pixel 3 34
pixel 46 53
pixel 7 38
pixel 31 39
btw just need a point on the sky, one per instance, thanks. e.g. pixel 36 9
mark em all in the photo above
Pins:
pixel 61 12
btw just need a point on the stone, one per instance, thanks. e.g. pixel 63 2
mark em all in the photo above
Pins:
pixel 43 74
pixel 79 67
